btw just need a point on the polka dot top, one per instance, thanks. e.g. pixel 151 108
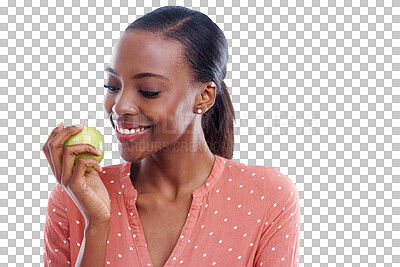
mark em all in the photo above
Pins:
pixel 243 215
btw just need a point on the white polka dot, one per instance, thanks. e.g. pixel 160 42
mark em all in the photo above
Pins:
pixel 220 241
pixel 217 191
pixel 77 222
pixel 235 227
pixel 279 187
pixel 182 236
pixel 279 227
pixel 262 178
pixel 286 236
pixel 128 173
pixel 181 262
pixel 266 223
pixel 229 198
pixel 293 247
pixel 283 259
pixel 273 249
pixel 202 226
pixel 205 254
pixel 195 247
pixel 65 242
pixel 225 219
pixel 134 236
pixel 206 205
pixel 207 184
pixel 119 234
pixel 230 180
pixel 291 193
pixel 251 244
pixel 119 192
pixel 211 233
pixel 174 258
pixel 131 248
pixel 215 212
pixel 129 228
pixel 214 263
pixel 262 197
pixel 189 241
pixel 107 261
pixel 249 213
pixel 240 186
pixel 244 235
pixel 242 169
pixel 279 175
pixel 297 224
pixel 119 255
pixel 230 249
pixel 49 261
pixel 283 208
pixel 253 174
pixel 119 213
pixel 123 186
pixel 59 223
pixel 251 192
pixel 108 241
pixel 54 209
pixel 104 171
pixel 131 213
pixel 78 244
pixel 69 262
pixel 239 257
pixel 112 181
pixel 239 206
pixel 56 250
pixel 291 214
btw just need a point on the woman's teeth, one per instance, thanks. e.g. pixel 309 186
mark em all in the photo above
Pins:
pixel 131 131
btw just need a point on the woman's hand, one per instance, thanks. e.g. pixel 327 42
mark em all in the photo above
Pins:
pixel 85 188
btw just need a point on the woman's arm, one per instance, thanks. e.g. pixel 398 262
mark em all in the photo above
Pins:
pixel 56 231
pixel 93 248
pixel 279 243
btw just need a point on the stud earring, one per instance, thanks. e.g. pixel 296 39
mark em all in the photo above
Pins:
pixel 199 110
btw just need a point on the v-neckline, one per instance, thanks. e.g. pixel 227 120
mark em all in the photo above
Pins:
pixel 136 226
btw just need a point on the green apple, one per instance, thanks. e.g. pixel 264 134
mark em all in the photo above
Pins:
pixel 88 136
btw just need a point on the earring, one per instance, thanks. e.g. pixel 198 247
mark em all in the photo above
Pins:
pixel 199 110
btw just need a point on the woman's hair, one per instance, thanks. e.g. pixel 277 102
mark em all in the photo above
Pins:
pixel 205 49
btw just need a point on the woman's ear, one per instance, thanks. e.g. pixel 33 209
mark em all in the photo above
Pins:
pixel 206 97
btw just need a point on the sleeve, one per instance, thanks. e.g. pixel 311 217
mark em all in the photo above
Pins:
pixel 279 242
pixel 56 231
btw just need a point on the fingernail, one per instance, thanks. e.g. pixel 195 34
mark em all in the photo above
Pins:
pixel 79 125
pixel 58 125
pixel 98 151
pixel 101 169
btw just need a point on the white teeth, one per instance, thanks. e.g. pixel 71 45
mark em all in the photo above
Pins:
pixel 132 131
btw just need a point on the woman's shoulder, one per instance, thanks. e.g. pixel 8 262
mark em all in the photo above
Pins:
pixel 276 182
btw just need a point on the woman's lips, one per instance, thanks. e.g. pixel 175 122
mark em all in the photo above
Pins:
pixel 126 138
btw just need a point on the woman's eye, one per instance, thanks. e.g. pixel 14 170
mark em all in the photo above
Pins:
pixel 111 89
pixel 149 94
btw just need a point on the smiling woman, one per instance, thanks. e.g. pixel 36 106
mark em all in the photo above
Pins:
pixel 179 199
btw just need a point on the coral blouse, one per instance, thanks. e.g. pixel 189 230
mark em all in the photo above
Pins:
pixel 243 215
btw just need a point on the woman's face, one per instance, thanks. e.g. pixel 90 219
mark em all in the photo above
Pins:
pixel 149 84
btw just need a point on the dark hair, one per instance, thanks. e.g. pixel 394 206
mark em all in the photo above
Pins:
pixel 206 51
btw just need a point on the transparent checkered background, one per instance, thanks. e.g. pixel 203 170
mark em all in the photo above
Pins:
pixel 315 87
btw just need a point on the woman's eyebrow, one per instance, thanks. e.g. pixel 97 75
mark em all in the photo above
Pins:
pixel 140 75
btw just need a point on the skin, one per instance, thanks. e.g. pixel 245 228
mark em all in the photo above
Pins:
pixel 173 159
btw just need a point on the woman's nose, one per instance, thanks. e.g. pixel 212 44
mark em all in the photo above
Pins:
pixel 124 104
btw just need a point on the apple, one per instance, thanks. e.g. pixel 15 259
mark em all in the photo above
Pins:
pixel 88 136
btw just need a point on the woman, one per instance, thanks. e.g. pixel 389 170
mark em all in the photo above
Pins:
pixel 180 199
